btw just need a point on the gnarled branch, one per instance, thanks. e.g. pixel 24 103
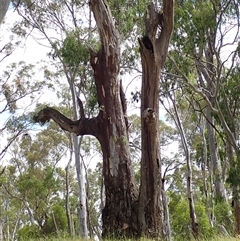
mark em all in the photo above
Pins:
pixel 49 113
pixel 83 126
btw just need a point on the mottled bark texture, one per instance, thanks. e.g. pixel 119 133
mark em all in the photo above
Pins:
pixel 121 213
pixel 153 49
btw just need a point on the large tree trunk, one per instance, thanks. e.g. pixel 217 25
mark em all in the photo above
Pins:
pixel 120 190
pixel 120 214
pixel 153 49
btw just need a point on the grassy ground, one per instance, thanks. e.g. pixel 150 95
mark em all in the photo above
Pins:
pixel 61 239
pixel 225 239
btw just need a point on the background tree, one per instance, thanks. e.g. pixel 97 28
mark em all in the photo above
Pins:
pixel 203 67
pixel 35 187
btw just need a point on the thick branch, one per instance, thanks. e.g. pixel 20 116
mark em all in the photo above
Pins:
pixel 152 21
pixel 162 43
pixel 168 17
pixel 83 126
pixel 108 33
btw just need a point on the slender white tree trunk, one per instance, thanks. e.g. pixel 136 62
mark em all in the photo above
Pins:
pixel 166 220
pixel 82 188
pixel 192 211
pixel 204 165
pixel 216 167
pixel 81 177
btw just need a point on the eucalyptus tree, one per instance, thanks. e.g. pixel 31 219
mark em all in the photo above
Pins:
pixel 206 68
pixel 63 25
pixel 20 88
pixel 126 212
pixel 174 113
pixel 34 185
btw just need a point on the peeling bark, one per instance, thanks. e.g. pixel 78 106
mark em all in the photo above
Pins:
pixel 109 127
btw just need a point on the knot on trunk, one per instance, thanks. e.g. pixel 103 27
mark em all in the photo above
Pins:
pixel 149 115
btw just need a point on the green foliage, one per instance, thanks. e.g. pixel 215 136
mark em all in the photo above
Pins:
pixel 224 216
pixel 33 177
pixel 29 232
pixel 16 84
pixel 94 194
pixel 57 222
pixel 73 50
pixel 180 219
pixel 193 19
pixel 128 14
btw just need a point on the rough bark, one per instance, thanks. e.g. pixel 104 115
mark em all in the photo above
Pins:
pixel 119 215
pixel 153 49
